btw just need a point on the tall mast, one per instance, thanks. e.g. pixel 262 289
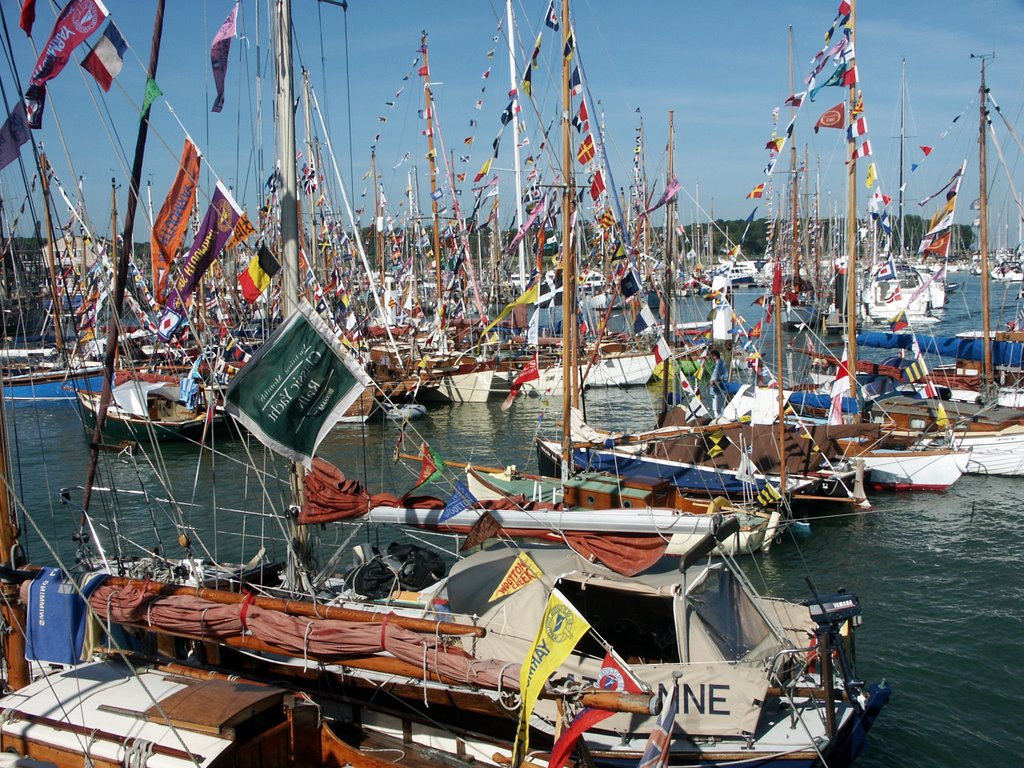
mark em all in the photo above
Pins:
pixel 377 245
pixel 777 291
pixel 313 249
pixel 514 88
pixel 793 164
pixel 570 397
pixel 121 274
pixel 903 105
pixel 851 226
pixel 986 330
pixel 669 263
pixel 51 255
pixel 289 231
pixel 432 160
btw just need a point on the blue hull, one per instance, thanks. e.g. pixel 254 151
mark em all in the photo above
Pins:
pixel 50 386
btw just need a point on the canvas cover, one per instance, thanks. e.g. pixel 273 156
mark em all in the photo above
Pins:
pixel 132 396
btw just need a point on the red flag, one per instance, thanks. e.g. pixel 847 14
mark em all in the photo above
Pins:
pixel 28 16
pixel 756 192
pixel 832 118
pixel 777 278
pixel 78 20
pixel 597 185
pixel 614 677
pixel 530 372
pixel 927 150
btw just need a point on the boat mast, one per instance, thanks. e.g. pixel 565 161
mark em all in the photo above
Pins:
pixel 795 282
pixel 514 89
pixel 986 330
pixel 121 274
pixel 903 104
pixel 670 209
pixel 777 291
pixel 51 256
pixel 432 160
pixel 12 610
pixel 570 397
pixel 289 230
pixel 851 226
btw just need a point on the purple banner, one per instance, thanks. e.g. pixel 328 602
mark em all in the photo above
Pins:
pixel 213 234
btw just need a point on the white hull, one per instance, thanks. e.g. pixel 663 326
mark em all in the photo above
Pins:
pixel 994 453
pixel 617 371
pixel 472 387
pixel 915 470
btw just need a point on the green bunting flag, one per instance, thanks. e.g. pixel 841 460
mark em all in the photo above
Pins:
pixel 296 387
pixel 152 91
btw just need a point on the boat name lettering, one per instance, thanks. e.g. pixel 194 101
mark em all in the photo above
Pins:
pixel 41 621
pixel 708 700
pixel 540 653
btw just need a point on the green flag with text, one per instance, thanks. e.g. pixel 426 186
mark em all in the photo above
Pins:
pixel 296 387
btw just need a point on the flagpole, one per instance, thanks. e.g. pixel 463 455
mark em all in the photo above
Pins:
pixel 851 223
pixel 124 259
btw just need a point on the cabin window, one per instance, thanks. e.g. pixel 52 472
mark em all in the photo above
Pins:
pixel 735 625
pixel 590 499
pixel 917 423
pixel 627 504
pixel 641 628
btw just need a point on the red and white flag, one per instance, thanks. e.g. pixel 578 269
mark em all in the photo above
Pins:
pixel 662 351
pixel 614 677
pixel 840 389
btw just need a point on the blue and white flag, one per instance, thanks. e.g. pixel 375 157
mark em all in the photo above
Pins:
pixel 886 271
pixel 645 320
pixel 461 499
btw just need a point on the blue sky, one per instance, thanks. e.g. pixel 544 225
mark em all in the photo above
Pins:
pixel 722 67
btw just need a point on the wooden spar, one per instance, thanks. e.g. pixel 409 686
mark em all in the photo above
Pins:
pixel 851 228
pixel 124 259
pixel 90 734
pixel 609 701
pixel 666 374
pixel 299 608
pixel 12 610
pixel 986 330
pixel 777 291
pixel 570 327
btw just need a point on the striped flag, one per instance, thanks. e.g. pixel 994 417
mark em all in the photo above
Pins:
pixel 656 752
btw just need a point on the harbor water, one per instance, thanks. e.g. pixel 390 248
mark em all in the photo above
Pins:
pixel 940 576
